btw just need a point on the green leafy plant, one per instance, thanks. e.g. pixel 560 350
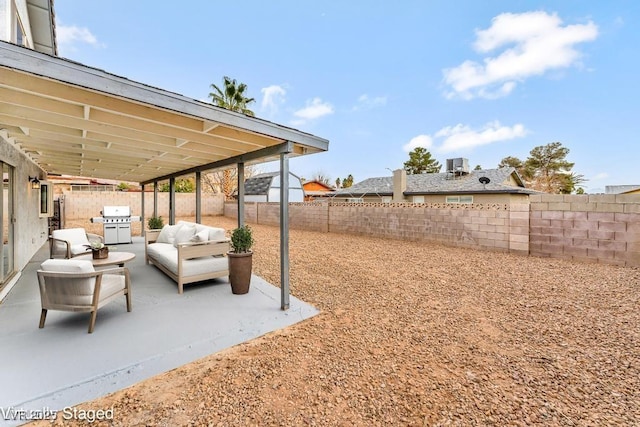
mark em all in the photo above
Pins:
pixel 95 245
pixel 123 186
pixel 155 223
pixel 241 239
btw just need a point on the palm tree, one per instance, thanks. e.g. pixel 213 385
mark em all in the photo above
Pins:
pixel 232 97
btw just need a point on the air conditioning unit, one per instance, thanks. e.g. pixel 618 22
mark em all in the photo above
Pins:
pixel 458 166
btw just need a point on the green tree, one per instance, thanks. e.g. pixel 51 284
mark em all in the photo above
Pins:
pixel 338 182
pixel 518 165
pixel 348 181
pixel 420 161
pixel 549 168
pixel 181 185
pixel 232 97
pixel 477 168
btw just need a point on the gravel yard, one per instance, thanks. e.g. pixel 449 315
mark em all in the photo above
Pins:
pixel 416 334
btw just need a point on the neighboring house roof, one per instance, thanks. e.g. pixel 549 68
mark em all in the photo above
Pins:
pixel 444 183
pixel 316 185
pixel 621 189
pixel 259 184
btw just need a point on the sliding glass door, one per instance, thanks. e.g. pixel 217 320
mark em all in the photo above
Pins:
pixel 6 231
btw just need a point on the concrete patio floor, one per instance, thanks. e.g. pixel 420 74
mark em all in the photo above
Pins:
pixel 62 365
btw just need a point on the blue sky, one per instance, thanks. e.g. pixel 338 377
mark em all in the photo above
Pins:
pixel 481 80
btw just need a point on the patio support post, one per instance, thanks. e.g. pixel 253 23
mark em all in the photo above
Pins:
pixel 172 201
pixel 142 210
pixel 155 198
pixel 284 231
pixel 240 194
pixel 198 197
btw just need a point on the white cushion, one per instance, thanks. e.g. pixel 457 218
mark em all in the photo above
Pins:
pixel 168 233
pixel 216 234
pixel 76 236
pixel 184 234
pixel 68 290
pixel 67 265
pixel 201 236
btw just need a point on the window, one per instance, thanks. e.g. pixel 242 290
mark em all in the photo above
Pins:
pixel 20 39
pixel 460 199
pixel 46 199
pixel 418 199
pixel 355 200
pixel 386 199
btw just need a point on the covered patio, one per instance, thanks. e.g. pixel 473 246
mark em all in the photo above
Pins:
pixel 70 119
pixel 62 365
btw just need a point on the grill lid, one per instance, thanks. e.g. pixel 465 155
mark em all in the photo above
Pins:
pixel 113 211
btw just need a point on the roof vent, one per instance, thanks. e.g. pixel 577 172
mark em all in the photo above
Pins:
pixel 458 166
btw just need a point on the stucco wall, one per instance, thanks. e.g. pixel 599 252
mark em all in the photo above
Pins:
pixel 30 231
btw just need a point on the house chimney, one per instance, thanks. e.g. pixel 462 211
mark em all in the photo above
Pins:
pixel 399 184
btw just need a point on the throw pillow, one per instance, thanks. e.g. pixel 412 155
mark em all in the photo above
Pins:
pixel 184 235
pixel 168 233
pixel 201 236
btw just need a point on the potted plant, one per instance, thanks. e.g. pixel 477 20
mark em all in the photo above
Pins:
pixel 98 249
pixel 155 223
pixel 240 259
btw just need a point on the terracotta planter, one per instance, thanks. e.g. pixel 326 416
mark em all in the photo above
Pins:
pixel 100 253
pixel 240 271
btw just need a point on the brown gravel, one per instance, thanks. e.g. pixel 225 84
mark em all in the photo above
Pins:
pixel 416 334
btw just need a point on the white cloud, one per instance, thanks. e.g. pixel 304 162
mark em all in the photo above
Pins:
pixel 424 141
pixel 314 109
pixel 601 175
pixel 463 138
pixel 272 97
pixel 533 43
pixel 367 103
pixel 67 36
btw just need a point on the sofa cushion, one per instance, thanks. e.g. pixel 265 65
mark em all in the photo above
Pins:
pixel 167 255
pixel 184 234
pixel 168 233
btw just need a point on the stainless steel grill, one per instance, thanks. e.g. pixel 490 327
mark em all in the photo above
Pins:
pixel 116 224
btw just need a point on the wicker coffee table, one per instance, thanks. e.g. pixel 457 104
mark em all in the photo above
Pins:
pixel 114 258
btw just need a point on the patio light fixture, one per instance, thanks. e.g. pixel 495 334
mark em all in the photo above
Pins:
pixel 35 182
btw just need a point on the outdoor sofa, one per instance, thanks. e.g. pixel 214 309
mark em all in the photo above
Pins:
pixel 188 252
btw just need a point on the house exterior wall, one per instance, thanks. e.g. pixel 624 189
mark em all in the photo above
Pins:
pixel 8 22
pixel 438 198
pixel 315 186
pixel 30 231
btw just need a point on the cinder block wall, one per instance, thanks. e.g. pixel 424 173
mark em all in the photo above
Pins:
pixel 489 226
pixel 477 225
pixel 81 206
pixel 595 228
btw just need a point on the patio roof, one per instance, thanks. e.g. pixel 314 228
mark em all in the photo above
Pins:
pixel 72 119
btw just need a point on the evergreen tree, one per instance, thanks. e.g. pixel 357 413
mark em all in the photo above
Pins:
pixel 420 161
